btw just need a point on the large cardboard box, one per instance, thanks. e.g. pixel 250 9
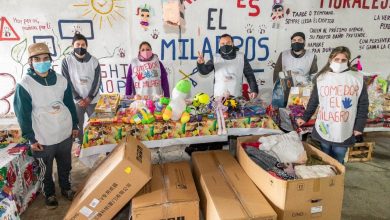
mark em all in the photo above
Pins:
pixel 225 191
pixel 171 194
pixel 319 198
pixel 113 183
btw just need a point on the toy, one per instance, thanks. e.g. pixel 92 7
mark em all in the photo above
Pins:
pixel 150 105
pixel 231 104
pixel 177 105
pixel 143 116
pixel 159 104
pixel 201 99
pixel 220 108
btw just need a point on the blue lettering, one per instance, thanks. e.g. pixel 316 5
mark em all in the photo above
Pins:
pixel 121 85
pixel 167 45
pixel 239 45
pixel 206 43
pixel 253 52
pixel 193 56
pixel 249 46
pixel 183 42
pixel 265 47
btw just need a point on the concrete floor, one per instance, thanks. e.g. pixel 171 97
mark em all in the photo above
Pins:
pixel 366 196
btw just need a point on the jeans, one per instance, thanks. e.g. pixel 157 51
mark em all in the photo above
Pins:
pixel 335 150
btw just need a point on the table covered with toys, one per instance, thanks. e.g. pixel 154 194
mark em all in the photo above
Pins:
pixel 163 121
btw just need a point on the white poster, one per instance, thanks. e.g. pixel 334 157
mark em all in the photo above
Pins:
pixel 261 29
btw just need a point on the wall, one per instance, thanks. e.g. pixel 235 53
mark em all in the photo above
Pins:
pixel 114 31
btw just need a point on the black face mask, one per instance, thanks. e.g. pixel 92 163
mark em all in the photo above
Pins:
pixel 297 46
pixel 226 49
pixel 80 51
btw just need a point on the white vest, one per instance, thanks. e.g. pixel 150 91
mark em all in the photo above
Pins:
pixel 51 119
pixel 299 67
pixel 338 95
pixel 228 75
pixel 147 77
pixel 82 75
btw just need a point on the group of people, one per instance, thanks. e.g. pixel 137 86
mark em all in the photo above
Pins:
pixel 50 107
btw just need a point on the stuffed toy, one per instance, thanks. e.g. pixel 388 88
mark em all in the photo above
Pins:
pixel 201 99
pixel 177 106
pixel 220 108
pixel 200 105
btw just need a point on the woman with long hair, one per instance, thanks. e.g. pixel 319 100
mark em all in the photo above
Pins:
pixel 147 76
pixel 341 95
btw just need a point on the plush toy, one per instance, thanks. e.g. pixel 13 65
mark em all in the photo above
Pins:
pixel 201 99
pixel 177 105
pixel 150 104
pixel 199 107
pixel 160 103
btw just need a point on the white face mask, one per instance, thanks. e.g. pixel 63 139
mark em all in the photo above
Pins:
pixel 338 67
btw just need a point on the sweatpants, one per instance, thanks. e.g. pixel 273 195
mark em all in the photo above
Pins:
pixel 62 153
pixel 80 115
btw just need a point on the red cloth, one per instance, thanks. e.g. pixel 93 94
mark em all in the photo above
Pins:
pixel 251 144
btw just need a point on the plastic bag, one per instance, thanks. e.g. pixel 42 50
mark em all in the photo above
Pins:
pixel 288 148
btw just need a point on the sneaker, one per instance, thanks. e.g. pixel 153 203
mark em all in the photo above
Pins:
pixel 68 194
pixel 51 202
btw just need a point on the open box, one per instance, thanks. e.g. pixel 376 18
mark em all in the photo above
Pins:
pixel 319 198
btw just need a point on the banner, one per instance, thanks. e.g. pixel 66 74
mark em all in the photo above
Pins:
pixel 261 29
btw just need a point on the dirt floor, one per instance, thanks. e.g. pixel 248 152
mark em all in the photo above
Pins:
pixel 366 196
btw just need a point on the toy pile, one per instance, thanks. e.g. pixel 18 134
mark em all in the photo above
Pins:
pixel 158 118
pixel 379 108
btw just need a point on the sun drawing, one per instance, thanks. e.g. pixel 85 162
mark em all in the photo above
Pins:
pixel 102 10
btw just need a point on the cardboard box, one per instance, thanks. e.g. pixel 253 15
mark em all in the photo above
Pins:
pixel 113 183
pixel 320 198
pixel 299 95
pixel 171 194
pixel 225 191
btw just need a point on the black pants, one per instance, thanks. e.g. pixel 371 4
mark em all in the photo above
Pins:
pixel 62 153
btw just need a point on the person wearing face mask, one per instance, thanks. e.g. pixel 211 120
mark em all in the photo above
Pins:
pixel 147 76
pixel 229 67
pixel 341 95
pixel 46 113
pixel 82 70
pixel 302 63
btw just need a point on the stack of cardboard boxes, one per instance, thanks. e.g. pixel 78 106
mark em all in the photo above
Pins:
pixel 227 189
pixel 171 194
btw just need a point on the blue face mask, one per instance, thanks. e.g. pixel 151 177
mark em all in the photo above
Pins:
pixel 42 67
